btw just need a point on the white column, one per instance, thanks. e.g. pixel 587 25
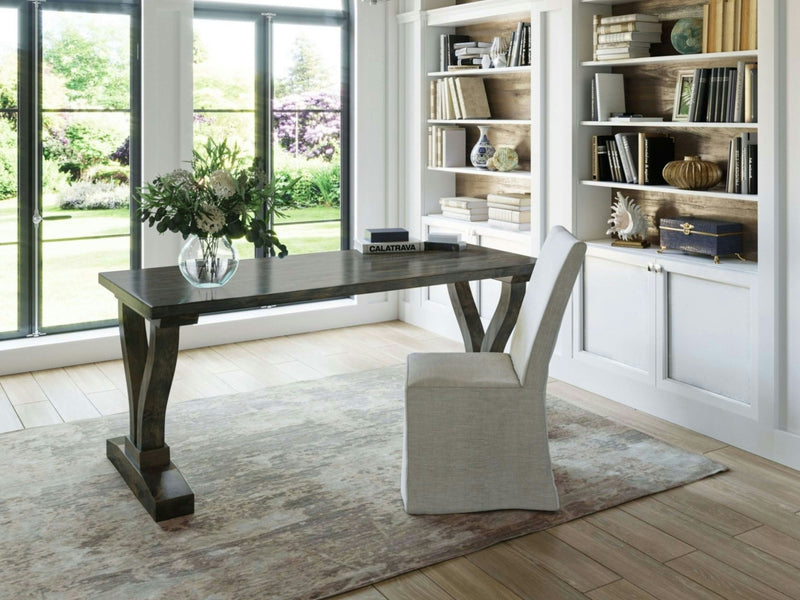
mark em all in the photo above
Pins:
pixel 166 107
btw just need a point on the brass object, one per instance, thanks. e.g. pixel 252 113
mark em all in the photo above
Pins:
pixel 692 173
pixel 631 243
pixel 688 229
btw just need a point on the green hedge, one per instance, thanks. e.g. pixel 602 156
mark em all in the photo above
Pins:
pixel 318 185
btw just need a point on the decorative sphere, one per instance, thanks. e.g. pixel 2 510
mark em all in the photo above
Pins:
pixel 687 35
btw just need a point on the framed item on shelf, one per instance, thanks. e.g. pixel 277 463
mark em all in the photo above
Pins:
pixel 683 95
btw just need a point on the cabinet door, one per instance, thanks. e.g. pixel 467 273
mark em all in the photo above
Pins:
pixel 706 339
pixel 490 288
pixel 616 314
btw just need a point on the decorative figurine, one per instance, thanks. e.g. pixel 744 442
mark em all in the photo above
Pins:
pixel 627 223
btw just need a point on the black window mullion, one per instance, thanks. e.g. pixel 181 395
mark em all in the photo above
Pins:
pixel 135 140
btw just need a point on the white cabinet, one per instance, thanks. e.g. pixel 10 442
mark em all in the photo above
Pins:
pixel 670 322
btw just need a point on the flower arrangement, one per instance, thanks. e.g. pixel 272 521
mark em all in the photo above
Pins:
pixel 219 197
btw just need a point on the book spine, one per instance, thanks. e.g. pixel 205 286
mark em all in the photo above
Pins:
pixel 631 155
pixel 738 105
pixel 626 165
pixel 752 169
pixel 595 169
pixel 693 96
pixel 388 247
pixel 448 246
pixel 510 215
pixel 628 18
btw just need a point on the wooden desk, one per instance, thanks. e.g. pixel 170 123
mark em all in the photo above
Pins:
pixel 167 301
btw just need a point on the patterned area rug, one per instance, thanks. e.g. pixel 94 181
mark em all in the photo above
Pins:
pixel 297 496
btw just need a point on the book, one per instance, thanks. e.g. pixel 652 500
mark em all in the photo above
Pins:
pixel 507 206
pixel 728 25
pixel 465 202
pixel 601 165
pixel 476 211
pixel 630 36
pixel 510 226
pixel 738 106
pixel 366 247
pixel 639 119
pixel 509 215
pixel 445 237
pixel 641 148
pixel 622 54
pixel 472 97
pixel 628 44
pixel 595 25
pixel 751 93
pixel 453 213
pixel 628 17
pixel 629 143
pixel 705 29
pixel 510 198
pixel 446 246
pixel 447 55
pixel 613 159
pixel 471 51
pixel 462 67
pixel 386 234
pixel 658 151
pixel 454 147
pixel 610 92
pixel 648 26
pixel 452 94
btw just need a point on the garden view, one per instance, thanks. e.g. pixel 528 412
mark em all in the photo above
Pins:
pixel 85 170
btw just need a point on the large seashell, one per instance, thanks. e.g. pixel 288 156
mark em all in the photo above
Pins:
pixel 627 221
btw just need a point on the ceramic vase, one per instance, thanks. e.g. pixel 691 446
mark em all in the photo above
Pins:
pixel 482 150
pixel 692 173
pixel 208 262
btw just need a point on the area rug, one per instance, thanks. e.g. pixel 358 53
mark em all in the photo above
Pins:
pixel 297 496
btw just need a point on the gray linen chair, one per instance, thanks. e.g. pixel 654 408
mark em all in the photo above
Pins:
pixel 475 433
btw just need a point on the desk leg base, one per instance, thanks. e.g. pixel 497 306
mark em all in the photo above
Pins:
pixel 162 491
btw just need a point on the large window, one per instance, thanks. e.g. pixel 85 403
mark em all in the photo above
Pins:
pixel 68 140
pixel 273 78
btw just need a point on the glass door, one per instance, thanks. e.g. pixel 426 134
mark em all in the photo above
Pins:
pixel 74 135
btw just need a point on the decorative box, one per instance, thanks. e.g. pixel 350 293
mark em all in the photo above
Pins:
pixel 702 236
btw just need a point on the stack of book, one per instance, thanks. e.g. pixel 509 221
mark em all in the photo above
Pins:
pixel 464 208
pixel 459 98
pixel 509 211
pixel 725 94
pixel 624 36
pixel 470 53
pixel 384 241
pixel 743 165
pixel 631 157
pixel 447 50
pixel 730 25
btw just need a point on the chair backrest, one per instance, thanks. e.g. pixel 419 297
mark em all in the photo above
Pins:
pixel 545 301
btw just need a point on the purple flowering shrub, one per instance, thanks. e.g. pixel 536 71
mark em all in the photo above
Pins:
pixel 309 124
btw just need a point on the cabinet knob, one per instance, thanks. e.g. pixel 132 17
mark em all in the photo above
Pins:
pixel 650 266
pixel 657 268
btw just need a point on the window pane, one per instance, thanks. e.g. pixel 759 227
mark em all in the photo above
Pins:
pixel 324 4
pixel 224 65
pixel 9 301
pixel 87 59
pixel 307 134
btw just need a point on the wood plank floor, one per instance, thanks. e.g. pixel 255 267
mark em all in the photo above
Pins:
pixel 734 536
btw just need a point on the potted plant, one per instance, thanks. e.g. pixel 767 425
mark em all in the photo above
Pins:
pixel 219 199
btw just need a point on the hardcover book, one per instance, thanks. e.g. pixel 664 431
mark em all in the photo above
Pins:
pixel 628 17
pixel 658 151
pixel 510 198
pixel 610 94
pixel 472 96
pixel 366 247
pixel 386 234
pixel 465 202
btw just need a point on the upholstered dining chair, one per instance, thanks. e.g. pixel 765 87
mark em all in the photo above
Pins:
pixel 475 434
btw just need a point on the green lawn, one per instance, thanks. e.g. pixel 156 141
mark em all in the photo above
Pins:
pixel 69 287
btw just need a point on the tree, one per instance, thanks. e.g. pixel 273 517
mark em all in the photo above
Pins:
pixel 307 73
pixel 94 63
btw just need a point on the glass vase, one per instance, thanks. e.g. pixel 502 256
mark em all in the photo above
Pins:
pixel 482 150
pixel 208 262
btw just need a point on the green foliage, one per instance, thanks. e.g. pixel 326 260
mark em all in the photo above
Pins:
pixel 78 143
pixel 307 73
pixel 317 181
pixel 93 59
pixel 89 196
pixel 219 197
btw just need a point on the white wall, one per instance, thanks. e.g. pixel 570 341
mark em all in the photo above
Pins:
pixel 167 145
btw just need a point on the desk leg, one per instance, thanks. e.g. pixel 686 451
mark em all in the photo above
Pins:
pixel 142 457
pixel 505 315
pixel 503 320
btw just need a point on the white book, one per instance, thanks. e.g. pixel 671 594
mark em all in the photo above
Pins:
pixel 510 226
pixel 629 36
pixel 463 216
pixel 508 206
pixel 510 216
pixel 463 202
pixel 444 237
pixel 366 247
pixel 628 17
pixel 610 94
pixel 512 198
pixel 454 147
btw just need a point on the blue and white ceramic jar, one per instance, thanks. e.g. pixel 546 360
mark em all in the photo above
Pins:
pixel 483 150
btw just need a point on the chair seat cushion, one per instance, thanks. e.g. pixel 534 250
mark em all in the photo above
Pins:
pixel 459 369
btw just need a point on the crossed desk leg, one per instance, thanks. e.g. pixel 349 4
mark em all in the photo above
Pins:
pixel 142 457
pixel 503 320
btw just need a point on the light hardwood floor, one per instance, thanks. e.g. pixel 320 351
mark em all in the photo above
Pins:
pixel 734 536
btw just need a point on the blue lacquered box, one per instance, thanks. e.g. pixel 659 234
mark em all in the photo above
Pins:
pixel 702 236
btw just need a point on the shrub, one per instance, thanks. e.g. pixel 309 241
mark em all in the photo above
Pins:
pixel 85 196
pixel 8 160
pixel 310 134
pixel 108 174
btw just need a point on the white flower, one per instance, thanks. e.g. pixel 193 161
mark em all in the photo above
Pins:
pixel 210 218
pixel 222 184
pixel 181 178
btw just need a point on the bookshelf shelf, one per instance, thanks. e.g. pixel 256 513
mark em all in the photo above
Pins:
pixel 672 125
pixel 668 189
pixel 682 59
pixel 479 228
pixel 482 72
pixel 518 174
pixel 479 122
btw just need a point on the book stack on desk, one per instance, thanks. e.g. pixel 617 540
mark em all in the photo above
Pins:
pixel 387 240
